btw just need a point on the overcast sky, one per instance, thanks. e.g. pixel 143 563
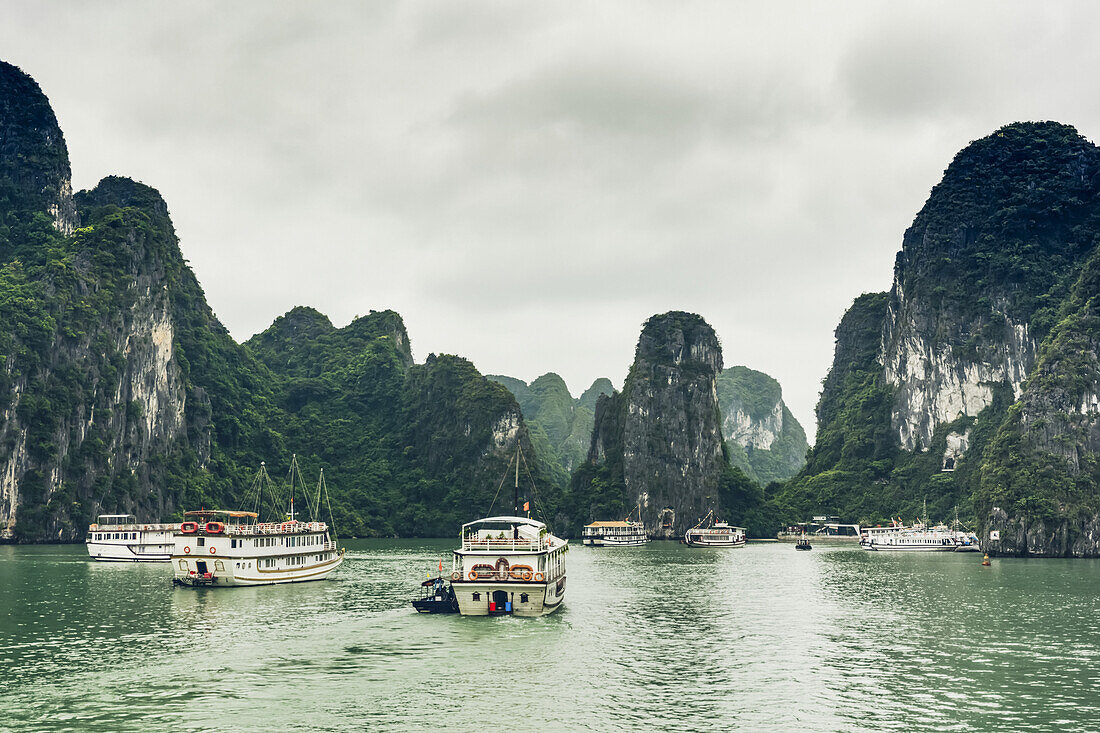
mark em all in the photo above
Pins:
pixel 525 182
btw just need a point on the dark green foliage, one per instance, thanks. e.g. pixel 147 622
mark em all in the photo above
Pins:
pixel 755 394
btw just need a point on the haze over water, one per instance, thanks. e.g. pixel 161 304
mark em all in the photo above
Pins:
pixel 760 638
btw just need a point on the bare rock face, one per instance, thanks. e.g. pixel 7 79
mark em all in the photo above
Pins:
pixel 34 161
pixel 993 244
pixel 663 431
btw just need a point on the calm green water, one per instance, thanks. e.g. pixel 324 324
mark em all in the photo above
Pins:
pixel 760 638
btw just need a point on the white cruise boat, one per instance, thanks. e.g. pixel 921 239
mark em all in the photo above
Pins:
pixel 614 534
pixel 718 534
pixel 231 548
pixel 508 565
pixel 227 548
pixel 917 538
pixel 121 538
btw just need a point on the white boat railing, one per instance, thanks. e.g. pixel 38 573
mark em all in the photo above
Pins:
pixel 506 544
pixel 267 528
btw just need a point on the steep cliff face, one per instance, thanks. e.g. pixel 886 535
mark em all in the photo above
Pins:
pixel 764 439
pixel 103 405
pixel 659 442
pixel 1039 492
pixel 998 240
pixel 34 162
pixel 982 288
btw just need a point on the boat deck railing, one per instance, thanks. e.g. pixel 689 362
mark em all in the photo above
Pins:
pixel 267 528
pixel 132 527
pixel 505 544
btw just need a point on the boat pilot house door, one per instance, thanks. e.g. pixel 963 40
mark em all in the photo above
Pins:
pixel 499 603
pixel 201 565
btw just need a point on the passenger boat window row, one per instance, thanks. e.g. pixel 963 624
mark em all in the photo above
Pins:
pixel 102 536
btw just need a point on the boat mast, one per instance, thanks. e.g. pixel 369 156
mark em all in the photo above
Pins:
pixel 515 493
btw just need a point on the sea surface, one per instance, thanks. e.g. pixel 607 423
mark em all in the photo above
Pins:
pixel 664 637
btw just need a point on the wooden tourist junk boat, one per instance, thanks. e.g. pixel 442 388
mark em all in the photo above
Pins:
pixel 614 534
pixel 233 548
pixel 509 565
pixel 120 538
pixel 719 534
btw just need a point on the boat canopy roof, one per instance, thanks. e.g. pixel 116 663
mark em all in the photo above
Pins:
pixel 610 524
pixel 220 513
pixel 103 517
pixel 503 523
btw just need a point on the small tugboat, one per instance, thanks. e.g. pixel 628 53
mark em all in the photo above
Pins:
pixel 803 544
pixel 436 596
pixel 719 534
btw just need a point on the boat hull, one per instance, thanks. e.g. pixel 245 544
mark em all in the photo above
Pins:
pixel 605 542
pixel 224 573
pixel 906 548
pixel 486 598
pixel 133 552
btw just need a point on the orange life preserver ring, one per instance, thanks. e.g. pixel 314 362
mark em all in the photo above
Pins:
pixel 189 527
pixel 213 550
pixel 187 551
pixel 526 574
pixel 213 528
pixel 456 575
pixel 539 577
pixel 473 575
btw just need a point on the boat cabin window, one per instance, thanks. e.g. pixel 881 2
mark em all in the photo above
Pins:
pixel 523 597
pixel 202 541
pixel 232 543
pixel 477 596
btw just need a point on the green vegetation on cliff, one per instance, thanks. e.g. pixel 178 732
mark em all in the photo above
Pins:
pixel 763 438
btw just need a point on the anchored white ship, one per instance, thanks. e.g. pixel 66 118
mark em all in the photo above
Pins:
pixel 232 548
pixel 614 534
pixel 718 534
pixel 508 565
pixel 917 538
pixel 120 538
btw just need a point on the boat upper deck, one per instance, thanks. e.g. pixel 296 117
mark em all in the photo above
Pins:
pixel 237 523
pixel 507 534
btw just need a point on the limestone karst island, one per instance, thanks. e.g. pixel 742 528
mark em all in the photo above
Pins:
pixel 320 527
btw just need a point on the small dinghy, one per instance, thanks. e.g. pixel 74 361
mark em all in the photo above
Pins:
pixel 436 596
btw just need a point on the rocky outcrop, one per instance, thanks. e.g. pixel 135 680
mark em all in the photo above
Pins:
pixel 764 439
pixel 34 162
pixel 660 439
pixel 561 426
pixel 919 402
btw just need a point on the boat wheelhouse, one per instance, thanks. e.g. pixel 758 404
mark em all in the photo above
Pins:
pixel 121 538
pixel 720 534
pixel 508 566
pixel 614 534
pixel 229 548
